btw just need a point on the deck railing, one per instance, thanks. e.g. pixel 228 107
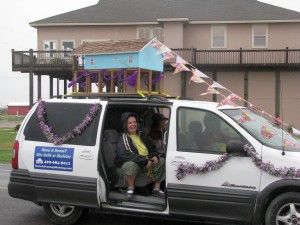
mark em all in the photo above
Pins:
pixel 41 58
pixel 271 57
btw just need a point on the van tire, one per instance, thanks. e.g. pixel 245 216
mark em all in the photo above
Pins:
pixel 281 206
pixel 62 214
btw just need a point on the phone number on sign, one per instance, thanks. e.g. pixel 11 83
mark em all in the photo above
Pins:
pixel 57 163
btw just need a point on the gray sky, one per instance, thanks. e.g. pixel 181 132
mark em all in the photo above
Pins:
pixel 18 35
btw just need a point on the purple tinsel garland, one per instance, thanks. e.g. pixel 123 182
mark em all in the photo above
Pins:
pixel 190 168
pixel 78 130
pixel 268 167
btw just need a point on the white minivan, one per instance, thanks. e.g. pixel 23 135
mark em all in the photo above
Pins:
pixel 225 165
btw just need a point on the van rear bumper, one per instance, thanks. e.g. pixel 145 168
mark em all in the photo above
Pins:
pixel 21 186
pixel 53 188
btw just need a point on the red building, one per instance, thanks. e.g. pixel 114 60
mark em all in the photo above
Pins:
pixel 17 108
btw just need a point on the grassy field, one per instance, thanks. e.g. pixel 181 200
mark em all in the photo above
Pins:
pixel 11 118
pixel 7 137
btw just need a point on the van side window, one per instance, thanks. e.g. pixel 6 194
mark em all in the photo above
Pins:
pixel 63 118
pixel 200 130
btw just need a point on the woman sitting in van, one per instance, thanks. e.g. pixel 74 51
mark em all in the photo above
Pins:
pixel 137 154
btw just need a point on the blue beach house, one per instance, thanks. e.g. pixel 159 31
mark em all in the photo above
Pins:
pixel 119 66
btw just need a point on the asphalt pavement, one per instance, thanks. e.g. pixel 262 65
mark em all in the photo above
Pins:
pixel 4 175
pixel 20 212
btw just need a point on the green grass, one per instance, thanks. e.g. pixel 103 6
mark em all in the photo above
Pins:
pixel 7 137
pixel 11 118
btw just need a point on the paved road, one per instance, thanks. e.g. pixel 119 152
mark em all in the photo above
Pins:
pixel 9 124
pixel 19 212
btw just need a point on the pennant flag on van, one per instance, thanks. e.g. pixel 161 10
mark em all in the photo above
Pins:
pixel 198 73
pixel 255 108
pixel 225 101
pixel 179 67
pixel 162 50
pixel 156 44
pixel 196 79
pixel 277 120
pixel 167 55
pixel 217 85
pixel 210 90
pixel 234 97
pixel 181 60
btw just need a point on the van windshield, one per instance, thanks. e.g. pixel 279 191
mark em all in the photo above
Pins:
pixel 265 131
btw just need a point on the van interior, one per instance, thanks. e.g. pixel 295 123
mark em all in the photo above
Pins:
pixel 116 184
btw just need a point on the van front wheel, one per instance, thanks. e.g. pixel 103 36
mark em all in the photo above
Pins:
pixel 62 214
pixel 285 209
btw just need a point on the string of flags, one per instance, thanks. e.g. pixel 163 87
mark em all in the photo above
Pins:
pixel 214 88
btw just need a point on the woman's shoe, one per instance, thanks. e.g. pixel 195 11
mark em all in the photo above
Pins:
pixel 129 193
pixel 158 193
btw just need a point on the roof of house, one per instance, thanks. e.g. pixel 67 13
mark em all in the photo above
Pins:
pixel 110 12
pixel 108 47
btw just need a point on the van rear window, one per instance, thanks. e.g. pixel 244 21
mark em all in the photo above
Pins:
pixel 63 118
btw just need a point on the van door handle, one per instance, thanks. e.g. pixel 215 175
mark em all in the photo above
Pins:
pixel 178 160
pixel 86 154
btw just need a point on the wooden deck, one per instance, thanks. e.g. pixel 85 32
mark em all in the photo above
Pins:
pixel 59 64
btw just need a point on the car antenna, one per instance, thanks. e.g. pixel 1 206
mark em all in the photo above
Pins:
pixel 281 112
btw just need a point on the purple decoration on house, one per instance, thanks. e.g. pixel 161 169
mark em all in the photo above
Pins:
pixel 131 80
pixel 70 84
pixel 157 79
pixel 114 77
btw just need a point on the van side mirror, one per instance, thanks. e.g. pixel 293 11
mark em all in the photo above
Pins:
pixel 235 147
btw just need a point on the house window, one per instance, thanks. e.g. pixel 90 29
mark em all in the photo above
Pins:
pixel 50 46
pixel 130 59
pixel 259 39
pixel 151 32
pixel 67 45
pixel 92 61
pixel 218 36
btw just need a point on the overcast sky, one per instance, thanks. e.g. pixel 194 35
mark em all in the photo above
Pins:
pixel 17 34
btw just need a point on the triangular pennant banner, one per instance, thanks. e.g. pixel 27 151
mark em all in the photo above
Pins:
pixel 198 73
pixel 255 108
pixel 234 97
pixel 210 90
pixel 225 101
pixel 156 44
pixel 266 132
pixel 167 55
pixel 179 67
pixel 181 60
pixel 217 85
pixel 196 79
pixel 277 120
pixel 162 50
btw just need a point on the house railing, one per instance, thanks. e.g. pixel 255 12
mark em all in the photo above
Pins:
pixel 271 57
pixel 41 58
